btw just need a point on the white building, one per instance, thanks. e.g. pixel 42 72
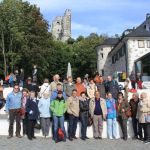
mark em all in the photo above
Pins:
pixel 122 55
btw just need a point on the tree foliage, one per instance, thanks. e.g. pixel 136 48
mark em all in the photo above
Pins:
pixel 25 40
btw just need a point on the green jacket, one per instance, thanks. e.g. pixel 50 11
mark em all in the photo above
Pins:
pixel 58 108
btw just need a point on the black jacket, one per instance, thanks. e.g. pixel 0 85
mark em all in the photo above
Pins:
pixel 84 106
pixel 32 106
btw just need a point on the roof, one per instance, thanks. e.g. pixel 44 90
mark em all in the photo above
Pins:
pixel 142 30
pixel 109 41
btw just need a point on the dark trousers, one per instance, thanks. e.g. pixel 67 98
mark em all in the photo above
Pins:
pixel 31 124
pixel 25 125
pixel 146 128
pixel 123 125
pixel 136 128
pixel 72 126
pixel 14 115
pixel 84 123
pixel 148 131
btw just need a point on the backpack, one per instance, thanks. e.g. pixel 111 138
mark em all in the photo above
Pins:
pixel 60 134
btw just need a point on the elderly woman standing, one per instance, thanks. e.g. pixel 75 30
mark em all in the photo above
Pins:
pixel 44 109
pixel 122 108
pixel 143 114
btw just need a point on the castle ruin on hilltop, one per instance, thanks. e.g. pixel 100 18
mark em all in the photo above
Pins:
pixel 61 27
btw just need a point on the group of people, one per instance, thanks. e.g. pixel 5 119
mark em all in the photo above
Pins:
pixel 91 101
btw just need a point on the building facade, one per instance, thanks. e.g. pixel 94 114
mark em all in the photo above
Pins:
pixel 121 57
pixel 61 27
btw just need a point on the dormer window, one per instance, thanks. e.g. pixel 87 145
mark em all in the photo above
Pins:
pixel 147 27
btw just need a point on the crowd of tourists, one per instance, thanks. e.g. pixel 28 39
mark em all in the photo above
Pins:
pixel 90 101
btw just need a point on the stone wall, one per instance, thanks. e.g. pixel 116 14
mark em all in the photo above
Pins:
pixel 134 52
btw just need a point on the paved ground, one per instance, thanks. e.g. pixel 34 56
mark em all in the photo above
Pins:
pixel 48 144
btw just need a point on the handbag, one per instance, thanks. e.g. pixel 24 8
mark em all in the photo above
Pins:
pixel 60 134
pixel 128 113
pixel 22 111
pixel 147 118
pixel 90 121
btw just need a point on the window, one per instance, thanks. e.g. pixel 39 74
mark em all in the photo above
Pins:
pixel 102 55
pixel 141 44
pixel 113 59
pixel 148 43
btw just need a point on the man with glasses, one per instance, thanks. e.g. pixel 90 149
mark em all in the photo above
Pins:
pixel 13 106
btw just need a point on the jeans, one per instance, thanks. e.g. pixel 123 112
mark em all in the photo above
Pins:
pixel 146 128
pixel 14 114
pixel 25 124
pixel 73 120
pixel 58 122
pixel 112 128
pixel 84 123
pixel 45 124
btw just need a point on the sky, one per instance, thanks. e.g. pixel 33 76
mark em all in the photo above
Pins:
pixel 99 16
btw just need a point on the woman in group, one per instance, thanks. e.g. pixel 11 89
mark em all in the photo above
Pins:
pixel 111 116
pixel 44 109
pixel 123 108
pixel 84 114
pixel 91 89
pixel 32 113
pixel 25 96
pixel 134 101
pixel 143 115
pixel 58 108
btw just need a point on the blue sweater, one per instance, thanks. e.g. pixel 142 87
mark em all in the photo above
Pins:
pixel 111 108
pixel 13 101
pixel 44 108
pixel 55 93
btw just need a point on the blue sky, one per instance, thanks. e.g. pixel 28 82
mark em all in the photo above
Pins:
pixel 100 16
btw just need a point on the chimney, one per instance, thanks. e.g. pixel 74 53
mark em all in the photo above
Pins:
pixel 147 16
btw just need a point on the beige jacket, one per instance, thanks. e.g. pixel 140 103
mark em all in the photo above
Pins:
pixel 143 110
pixel 103 106
pixel 73 106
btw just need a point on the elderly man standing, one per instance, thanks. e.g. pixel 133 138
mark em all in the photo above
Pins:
pixel 13 106
pixel 98 111
pixel 53 85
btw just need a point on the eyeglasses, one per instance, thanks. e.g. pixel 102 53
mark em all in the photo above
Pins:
pixel 16 88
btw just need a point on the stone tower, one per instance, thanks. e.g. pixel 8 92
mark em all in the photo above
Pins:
pixel 61 27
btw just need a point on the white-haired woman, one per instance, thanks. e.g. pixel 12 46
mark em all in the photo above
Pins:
pixel 44 109
pixel 143 114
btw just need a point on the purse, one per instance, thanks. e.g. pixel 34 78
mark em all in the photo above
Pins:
pixel 147 118
pixel 90 121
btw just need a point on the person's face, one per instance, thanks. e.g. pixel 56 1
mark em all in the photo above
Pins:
pixel 143 96
pixel 83 96
pixel 69 80
pixel 109 78
pixel 16 89
pixel 59 95
pixel 78 80
pixel 74 93
pixel 134 96
pixel 24 93
pixel 120 96
pixel 59 87
pixel 56 78
pixel 109 96
pixel 97 95
pixel 91 82
pixel 32 95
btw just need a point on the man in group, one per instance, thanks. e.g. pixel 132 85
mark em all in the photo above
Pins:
pixel 53 84
pixel 73 111
pixel 79 86
pixel 98 111
pixel 55 92
pixel 13 107
pixel 69 86
pixel 112 87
